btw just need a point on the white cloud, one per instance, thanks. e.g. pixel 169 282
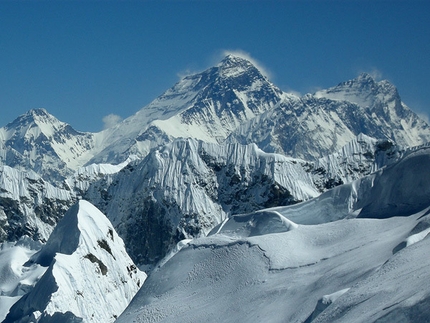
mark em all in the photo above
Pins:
pixel 187 72
pixel 375 73
pixel 111 120
pixel 292 91
pixel 424 116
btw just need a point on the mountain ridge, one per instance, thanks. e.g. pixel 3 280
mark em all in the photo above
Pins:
pixel 83 243
pixel 232 101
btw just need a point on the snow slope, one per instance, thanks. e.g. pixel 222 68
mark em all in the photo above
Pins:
pixel 278 277
pixel 89 274
pixel 317 125
pixel 206 106
pixel 342 268
pixel 15 278
pixel 185 188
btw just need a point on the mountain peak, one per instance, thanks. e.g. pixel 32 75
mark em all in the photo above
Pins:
pixel 234 59
pixel 49 140
pixel 363 80
pixel 35 121
pixel 365 77
pixel 88 267
pixel 235 65
pixel 363 90
pixel 40 115
pixel 39 112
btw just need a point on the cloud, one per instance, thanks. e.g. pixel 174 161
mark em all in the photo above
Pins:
pixel 292 91
pixel 375 73
pixel 424 116
pixel 245 55
pixel 187 72
pixel 111 120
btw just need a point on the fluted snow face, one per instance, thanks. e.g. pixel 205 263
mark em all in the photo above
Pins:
pixel 31 205
pixel 360 157
pixel 184 189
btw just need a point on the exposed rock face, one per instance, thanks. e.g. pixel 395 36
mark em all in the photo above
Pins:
pixel 29 205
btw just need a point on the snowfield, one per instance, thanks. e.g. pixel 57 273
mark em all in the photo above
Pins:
pixel 264 267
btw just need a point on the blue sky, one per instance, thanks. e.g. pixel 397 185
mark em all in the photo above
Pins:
pixel 84 60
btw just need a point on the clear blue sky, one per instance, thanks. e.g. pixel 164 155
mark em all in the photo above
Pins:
pixel 83 60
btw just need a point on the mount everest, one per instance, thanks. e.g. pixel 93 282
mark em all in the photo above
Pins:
pixel 226 158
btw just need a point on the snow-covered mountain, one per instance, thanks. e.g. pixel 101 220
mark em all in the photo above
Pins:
pixel 29 205
pixel 317 125
pixel 206 106
pixel 185 188
pixel 223 153
pixel 232 100
pixel 363 260
pixel 88 276
pixel 40 142
pixel 361 156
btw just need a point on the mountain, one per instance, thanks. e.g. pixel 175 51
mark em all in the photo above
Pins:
pixel 363 260
pixel 89 276
pixel 40 142
pixel 185 188
pixel 361 156
pixel 206 106
pixel 29 205
pixel 232 194
pixel 316 125
pixel 232 100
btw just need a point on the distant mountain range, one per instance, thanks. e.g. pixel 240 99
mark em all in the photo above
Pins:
pixel 231 102
pixel 233 167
